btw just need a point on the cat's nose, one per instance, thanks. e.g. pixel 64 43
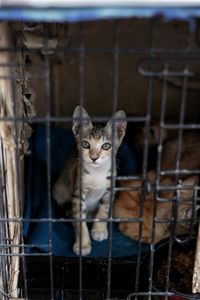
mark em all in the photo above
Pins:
pixel 94 158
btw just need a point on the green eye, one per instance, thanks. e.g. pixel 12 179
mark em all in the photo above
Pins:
pixel 85 145
pixel 106 146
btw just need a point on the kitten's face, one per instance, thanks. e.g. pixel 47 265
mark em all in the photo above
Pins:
pixel 95 142
pixel 95 147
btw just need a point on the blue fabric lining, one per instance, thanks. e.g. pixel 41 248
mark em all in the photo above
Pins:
pixel 38 234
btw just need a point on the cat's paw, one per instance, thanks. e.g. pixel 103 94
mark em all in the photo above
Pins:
pixel 99 235
pixel 85 248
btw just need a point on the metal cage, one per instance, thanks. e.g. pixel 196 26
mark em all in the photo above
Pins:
pixel 142 60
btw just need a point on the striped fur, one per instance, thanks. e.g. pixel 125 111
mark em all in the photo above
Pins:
pixel 85 181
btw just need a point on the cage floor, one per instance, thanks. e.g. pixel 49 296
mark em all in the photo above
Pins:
pixel 66 278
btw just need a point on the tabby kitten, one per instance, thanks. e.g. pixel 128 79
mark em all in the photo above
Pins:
pixel 86 181
pixel 128 205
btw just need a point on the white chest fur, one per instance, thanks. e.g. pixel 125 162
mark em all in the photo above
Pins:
pixel 95 184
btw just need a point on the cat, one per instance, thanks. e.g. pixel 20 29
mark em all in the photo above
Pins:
pixel 86 181
pixel 189 148
pixel 128 205
pixel 189 152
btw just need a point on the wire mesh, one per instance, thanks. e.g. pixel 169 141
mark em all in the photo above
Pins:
pixel 44 275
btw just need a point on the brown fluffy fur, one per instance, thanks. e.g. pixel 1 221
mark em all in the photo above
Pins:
pixel 128 205
pixel 189 149
pixel 190 152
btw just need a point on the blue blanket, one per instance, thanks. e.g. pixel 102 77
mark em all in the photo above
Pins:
pixel 58 237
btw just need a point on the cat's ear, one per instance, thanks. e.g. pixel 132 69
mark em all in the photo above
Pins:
pixel 81 119
pixel 119 123
pixel 154 134
pixel 189 184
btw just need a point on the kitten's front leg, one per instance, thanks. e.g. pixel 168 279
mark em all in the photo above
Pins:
pixel 82 242
pixel 99 230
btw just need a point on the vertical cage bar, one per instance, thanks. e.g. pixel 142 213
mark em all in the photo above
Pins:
pixel 4 233
pixel 174 203
pixel 145 155
pixel 163 101
pixel 144 171
pixel 115 87
pixel 144 188
pixel 81 101
pixel 48 152
pixel 179 146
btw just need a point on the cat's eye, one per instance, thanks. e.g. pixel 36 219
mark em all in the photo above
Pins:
pixel 85 145
pixel 106 146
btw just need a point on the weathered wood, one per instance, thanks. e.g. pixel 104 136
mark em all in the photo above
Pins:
pixel 33 41
pixel 14 137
